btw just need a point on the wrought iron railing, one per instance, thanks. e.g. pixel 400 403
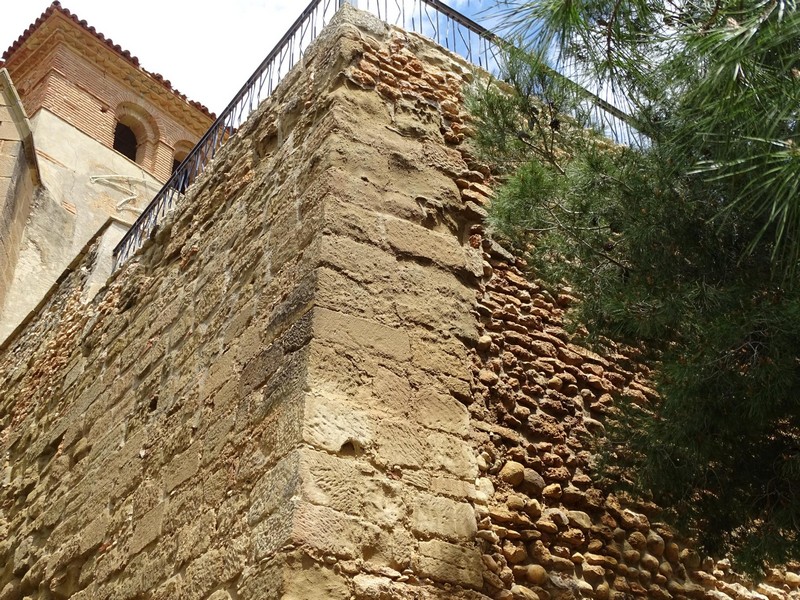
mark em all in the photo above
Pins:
pixel 432 18
pixel 478 45
pixel 286 53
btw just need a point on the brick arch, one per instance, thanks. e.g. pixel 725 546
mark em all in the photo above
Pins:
pixel 144 126
pixel 182 149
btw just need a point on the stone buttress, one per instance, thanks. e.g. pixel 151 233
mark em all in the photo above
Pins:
pixel 268 402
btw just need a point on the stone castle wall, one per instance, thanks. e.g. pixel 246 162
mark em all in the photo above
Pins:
pixel 322 379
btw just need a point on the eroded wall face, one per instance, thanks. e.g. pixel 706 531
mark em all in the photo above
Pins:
pixel 322 379
pixel 136 428
pixel 269 401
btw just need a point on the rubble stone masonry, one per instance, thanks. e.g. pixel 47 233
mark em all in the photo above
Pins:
pixel 322 380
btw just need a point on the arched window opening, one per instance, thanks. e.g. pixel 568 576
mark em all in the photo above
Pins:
pixel 136 134
pixel 182 149
pixel 179 156
pixel 125 141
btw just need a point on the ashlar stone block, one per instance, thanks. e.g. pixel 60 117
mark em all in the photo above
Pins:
pixel 451 563
pixel 363 335
pixel 332 423
pixel 443 517
pixel 147 529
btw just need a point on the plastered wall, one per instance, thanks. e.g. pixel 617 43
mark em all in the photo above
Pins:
pixel 18 176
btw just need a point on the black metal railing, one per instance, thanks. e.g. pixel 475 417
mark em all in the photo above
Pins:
pixel 431 18
pixel 286 53
pixel 478 45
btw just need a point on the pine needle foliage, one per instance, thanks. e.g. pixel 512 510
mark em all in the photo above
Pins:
pixel 685 245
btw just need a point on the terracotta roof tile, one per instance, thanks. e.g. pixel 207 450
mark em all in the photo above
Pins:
pixel 56 6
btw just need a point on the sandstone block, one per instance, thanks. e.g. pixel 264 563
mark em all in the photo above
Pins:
pixel 451 454
pixel 94 534
pixel 284 407
pixel 215 567
pixel 442 517
pixel 195 537
pixel 260 368
pixel 349 485
pixel 306 579
pixel 274 532
pixel 361 334
pixel 330 531
pixel 274 489
pixel 442 561
pixel 147 529
pixel 409 239
pixel 332 423
pixel 402 444
pixel 218 433
pixel 181 468
pixel 440 411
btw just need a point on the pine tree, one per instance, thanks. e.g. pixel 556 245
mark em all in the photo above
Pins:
pixel 684 243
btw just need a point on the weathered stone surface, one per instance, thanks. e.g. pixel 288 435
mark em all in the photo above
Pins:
pixel 513 473
pixel 451 563
pixel 147 529
pixel 293 389
pixel 433 515
pixel 335 318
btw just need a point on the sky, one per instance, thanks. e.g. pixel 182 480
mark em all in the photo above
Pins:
pixel 206 50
